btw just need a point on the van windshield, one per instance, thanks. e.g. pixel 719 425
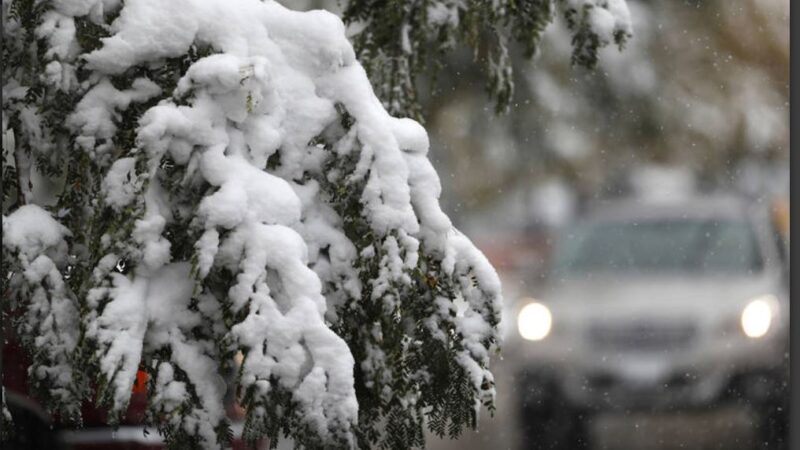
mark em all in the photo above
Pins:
pixel 691 246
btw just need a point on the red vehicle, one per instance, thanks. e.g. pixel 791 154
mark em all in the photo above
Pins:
pixel 33 428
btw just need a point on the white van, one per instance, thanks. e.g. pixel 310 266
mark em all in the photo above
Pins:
pixel 655 307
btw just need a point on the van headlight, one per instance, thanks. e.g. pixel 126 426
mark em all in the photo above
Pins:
pixel 534 321
pixel 757 317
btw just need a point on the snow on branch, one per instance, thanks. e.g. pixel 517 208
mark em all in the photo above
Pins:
pixel 233 186
pixel 49 323
pixel 402 42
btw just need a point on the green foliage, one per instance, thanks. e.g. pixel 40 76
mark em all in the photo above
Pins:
pixel 421 383
pixel 417 383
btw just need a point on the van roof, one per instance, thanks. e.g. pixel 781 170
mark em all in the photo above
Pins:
pixel 701 207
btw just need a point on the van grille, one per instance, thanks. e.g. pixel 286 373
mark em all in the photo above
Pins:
pixel 642 337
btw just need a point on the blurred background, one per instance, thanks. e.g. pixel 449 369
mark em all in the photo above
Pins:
pixel 698 100
pixel 697 105
pixel 638 215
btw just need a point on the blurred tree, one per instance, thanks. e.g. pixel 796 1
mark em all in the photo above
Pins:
pixel 703 87
pixel 402 42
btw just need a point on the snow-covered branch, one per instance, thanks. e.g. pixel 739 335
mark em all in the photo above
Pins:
pixel 232 185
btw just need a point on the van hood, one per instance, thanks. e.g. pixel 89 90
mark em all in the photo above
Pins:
pixel 656 297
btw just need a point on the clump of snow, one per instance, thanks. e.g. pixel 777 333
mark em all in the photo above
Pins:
pixel 117 187
pixel 30 230
pixel 605 18
pixel 94 115
pixel 440 14
pixel 35 244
